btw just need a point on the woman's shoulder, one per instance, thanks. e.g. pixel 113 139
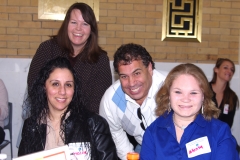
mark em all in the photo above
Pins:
pixel 220 131
pixel 49 48
pixel 49 43
pixel 162 121
pixel 91 116
pixel 232 95
pixel 235 95
pixel 103 55
pixel 96 121
pixel 218 126
pixel 29 124
pixel 102 62
pixel 92 119
pixel 103 52
pixel 29 120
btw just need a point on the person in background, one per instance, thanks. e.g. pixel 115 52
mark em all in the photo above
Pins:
pixel 59 117
pixel 3 109
pixel 128 105
pixel 223 96
pixel 187 126
pixel 77 40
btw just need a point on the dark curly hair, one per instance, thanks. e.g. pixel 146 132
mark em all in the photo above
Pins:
pixel 38 103
pixel 127 53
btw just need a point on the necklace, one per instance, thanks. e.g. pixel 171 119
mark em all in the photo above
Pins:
pixel 181 127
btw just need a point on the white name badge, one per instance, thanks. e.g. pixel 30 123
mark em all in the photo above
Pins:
pixel 225 109
pixel 197 147
pixel 79 151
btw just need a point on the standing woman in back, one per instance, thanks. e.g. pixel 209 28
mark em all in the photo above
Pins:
pixel 77 40
pixel 224 97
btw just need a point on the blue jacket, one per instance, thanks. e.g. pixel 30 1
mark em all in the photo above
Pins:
pixel 159 141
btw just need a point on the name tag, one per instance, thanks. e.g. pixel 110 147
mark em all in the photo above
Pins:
pixel 79 151
pixel 197 147
pixel 225 109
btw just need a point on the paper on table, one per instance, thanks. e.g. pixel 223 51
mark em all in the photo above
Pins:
pixel 60 153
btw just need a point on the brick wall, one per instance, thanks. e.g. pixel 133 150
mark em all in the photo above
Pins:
pixel 124 21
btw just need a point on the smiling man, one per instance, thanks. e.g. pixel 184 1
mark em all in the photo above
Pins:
pixel 129 104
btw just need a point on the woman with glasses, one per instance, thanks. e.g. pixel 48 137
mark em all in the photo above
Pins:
pixel 187 127
pixel 223 96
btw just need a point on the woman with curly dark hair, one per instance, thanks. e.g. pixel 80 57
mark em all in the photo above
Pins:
pixel 59 116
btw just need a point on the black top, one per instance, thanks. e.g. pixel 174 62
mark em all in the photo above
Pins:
pixel 34 136
pixel 227 118
pixel 95 78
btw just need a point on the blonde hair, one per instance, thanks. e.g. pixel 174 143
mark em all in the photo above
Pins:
pixel 163 94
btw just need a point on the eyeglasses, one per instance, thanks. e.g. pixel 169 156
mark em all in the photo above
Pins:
pixel 139 113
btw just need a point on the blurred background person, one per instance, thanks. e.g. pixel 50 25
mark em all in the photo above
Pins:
pixel 187 127
pixel 3 109
pixel 223 96
pixel 59 116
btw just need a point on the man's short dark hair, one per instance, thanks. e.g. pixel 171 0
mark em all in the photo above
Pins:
pixel 127 53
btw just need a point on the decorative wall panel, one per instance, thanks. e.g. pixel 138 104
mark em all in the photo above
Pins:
pixel 182 20
pixel 56 9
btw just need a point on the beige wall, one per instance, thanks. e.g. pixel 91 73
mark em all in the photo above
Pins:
pixel 123 21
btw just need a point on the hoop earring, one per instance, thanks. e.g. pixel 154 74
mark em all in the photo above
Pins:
pixel 202 108
pixel 169 107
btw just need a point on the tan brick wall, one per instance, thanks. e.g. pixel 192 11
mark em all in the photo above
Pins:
pixel 124 21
